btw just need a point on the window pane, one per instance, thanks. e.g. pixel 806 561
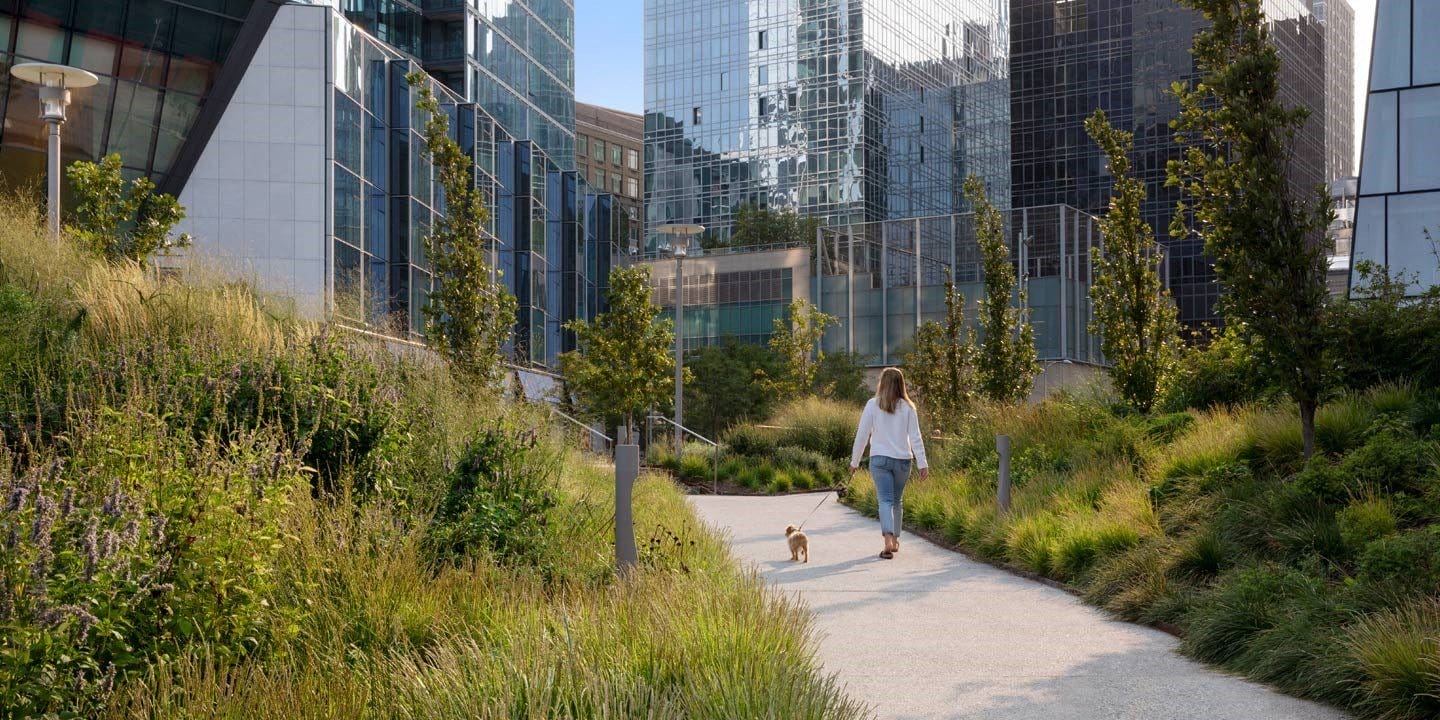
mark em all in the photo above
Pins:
pixel 85 129
pixel 93 53
pixel 175 121
pixel 191 75
pixel 40 42
pixel 1410 251
pixel 1369 241
pixel 599 147
pixel 615 155
pixel 347 131
pixel 349 282
pixel 1378 160
pixel 1420 138
pixel 141 65
pixel 1427 54
pixel 150 23
pixel 348 207
pixel 134 123
pixel 1391 65
pixel 632 159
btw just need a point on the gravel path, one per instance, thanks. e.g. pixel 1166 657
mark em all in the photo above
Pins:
pixel 933 634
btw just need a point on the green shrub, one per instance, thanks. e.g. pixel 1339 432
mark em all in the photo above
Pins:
pixel 788 456
pixel 1273 440
pixel 1166 428
pixel 1081 547
pixel 751 441
pixel 1223 373
pixel 781 481
pixel 498 502
pixel 765 474
pixel 802 479
pixel 1392 462
pixel 1407 563
pixel 1393 398
pixel 1201 556
pixel 822 426
pixel 1029 542
pixel 1246 603
pixel 746 478
pixel 695 467
pixel 1365 521
pixel 1341 426
pixel 1395 657
pixel 731 468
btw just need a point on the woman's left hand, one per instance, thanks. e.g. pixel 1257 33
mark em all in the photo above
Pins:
pixel 925 473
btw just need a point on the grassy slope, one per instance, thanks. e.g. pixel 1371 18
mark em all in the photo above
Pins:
pixel 172 431
pixel 1324 581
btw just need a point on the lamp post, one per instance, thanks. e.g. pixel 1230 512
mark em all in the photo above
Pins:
pixel 680 235
pixel 55 82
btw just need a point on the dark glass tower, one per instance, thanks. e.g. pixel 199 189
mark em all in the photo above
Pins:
pixel 1069 57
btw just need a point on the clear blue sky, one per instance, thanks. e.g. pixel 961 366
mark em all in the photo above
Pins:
pixel 610 53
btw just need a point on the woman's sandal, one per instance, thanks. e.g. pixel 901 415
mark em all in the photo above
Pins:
pixel 886 555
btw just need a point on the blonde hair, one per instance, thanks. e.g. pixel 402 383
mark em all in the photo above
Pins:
pixel 891 389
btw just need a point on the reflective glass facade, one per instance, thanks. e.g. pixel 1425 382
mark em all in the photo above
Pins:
pixel 157 61
pixel 550 234
pixel 1397 216
pixel 883 280
pixel 847 110
pixel 1070 57
pixel 516 59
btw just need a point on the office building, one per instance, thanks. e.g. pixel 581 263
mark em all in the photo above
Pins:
pixel 290 134
pixel 1341 234
pixel 609 147
pixel 1397 215
pixel 851 112
pixel 1070 57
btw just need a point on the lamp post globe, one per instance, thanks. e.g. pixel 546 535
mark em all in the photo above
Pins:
pixel 55 83
pixel 680 235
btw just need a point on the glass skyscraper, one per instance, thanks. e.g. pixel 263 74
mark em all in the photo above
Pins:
pixel 289 132
pixel 1070 57
pixel 851 111
pixel 1397 216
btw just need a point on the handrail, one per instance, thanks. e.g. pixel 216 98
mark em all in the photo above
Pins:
pixel 698 436
pixel 715 462
pixel 591 428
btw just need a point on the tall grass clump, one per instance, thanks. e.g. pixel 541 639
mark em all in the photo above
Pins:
pixel 822 426
pixel 1318 577
pixel 211 508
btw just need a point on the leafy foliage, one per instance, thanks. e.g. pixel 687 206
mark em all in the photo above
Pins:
pixel 119 220
pixel 1134 316
pixel 623 362
pixel 840 376
pixel 796 341
pixel 756 225
pixel 1220 371
pixel 1268 244
pixel 470 315
pixel 941 365
pixel 1006 363
pixel 728 385
pixel 500 500
pixel 1381 335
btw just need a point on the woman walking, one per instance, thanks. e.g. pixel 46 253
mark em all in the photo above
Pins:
pixel 892 429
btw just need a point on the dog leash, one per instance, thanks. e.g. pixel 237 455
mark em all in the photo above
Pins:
pixel 817 505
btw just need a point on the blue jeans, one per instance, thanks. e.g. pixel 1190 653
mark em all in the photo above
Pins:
pixel 890 475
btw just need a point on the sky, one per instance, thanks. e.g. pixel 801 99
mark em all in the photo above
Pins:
pixel 610 42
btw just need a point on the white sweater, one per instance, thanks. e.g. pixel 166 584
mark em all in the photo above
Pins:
pixel 893 435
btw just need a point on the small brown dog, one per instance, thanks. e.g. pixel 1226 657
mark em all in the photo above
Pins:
pixel 799 543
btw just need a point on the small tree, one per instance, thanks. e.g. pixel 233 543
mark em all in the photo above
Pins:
pixel 623 366
pixel 1133 314
pixel 841 376
pixel 1006 363
pixel 728 385
pixel 119 220
pixel 470 315
pixel 941 365
pixel 1268 244
pixel 796 341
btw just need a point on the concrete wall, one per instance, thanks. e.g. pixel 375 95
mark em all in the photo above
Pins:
pixel 258 200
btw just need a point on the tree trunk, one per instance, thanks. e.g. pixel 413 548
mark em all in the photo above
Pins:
pixel 1307 426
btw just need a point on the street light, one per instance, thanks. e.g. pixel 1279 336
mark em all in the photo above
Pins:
pixel 680 235
pixel 55 82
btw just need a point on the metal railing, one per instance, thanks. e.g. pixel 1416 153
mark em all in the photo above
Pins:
pixel 590 428
pixel 715 479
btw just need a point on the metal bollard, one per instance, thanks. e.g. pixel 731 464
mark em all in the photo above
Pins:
pixel 1002 445
pixel 627 469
